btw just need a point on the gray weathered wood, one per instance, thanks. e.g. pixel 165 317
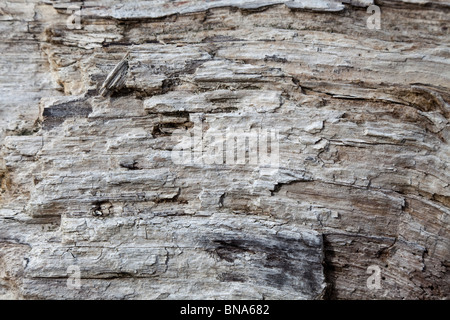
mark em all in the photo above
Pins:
pixel 88 134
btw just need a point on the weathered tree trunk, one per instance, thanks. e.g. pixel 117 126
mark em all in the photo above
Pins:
pixel 98 202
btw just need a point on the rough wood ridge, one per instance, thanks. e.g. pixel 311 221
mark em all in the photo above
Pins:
pixel 87 134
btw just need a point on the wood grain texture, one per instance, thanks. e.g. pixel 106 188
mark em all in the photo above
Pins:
pixel 90 117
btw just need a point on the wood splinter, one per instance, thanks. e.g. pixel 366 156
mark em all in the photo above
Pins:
pixel 116 78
